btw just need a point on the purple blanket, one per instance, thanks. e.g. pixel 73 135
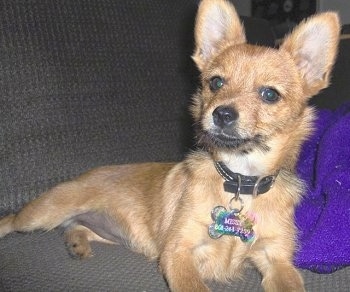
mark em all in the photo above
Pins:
pixel 323 217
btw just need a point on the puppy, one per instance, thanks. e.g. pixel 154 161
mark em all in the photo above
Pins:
pixel 229 203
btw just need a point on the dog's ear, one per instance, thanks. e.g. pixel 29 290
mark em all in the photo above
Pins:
pixel 217 25
pixel 313 46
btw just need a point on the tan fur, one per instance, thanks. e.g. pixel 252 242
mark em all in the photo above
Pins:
pixel 163 210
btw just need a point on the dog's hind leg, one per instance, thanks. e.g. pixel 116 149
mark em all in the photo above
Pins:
pixel 77 239
pixel 50 209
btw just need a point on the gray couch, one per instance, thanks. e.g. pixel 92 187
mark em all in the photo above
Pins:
pixel 85 83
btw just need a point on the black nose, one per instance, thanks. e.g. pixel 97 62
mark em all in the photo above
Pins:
pixel 224 116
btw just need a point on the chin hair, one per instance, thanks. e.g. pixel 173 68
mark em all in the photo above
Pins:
pixel 209 140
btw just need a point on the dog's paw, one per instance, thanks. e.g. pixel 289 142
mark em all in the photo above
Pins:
pixel 284 279
pixel 78 245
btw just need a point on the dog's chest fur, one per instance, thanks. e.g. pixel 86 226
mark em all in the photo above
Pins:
pixel 219 258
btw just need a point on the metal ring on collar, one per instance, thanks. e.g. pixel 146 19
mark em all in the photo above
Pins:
pixel 257 184
pixel 236 210
pixel 239 181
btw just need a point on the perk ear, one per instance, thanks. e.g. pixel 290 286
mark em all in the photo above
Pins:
pixel 313 46
pixel 217 25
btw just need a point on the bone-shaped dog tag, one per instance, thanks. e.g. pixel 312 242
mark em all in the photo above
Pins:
pixel 231 223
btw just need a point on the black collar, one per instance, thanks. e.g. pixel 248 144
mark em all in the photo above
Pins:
pixel 241 184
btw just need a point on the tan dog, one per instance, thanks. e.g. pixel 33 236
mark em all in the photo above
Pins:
pixel 230 203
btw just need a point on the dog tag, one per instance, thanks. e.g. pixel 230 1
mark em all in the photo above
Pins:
pixel 231 223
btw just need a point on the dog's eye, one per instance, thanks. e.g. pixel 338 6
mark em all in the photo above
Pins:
pixel 269 95
pixel 215 83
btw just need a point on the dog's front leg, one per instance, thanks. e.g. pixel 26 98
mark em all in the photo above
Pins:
pixel 179 270
pixel 282 277
pixel 279 274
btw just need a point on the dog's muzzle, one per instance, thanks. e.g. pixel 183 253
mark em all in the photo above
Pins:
pixel 222 133
pixel 224 117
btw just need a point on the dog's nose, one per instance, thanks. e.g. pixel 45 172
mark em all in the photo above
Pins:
pixel 224 116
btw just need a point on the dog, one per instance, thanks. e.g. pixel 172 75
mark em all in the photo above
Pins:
pixel 232 201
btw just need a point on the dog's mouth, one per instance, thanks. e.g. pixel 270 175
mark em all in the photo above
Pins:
pixel 220 140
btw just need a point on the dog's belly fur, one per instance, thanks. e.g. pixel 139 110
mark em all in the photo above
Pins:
pixel 220 260
pixel 100 223
pixel 149 205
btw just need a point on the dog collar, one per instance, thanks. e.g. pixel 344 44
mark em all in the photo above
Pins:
pixel 241 184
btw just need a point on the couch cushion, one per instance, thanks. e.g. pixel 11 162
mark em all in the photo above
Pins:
pixel 88 83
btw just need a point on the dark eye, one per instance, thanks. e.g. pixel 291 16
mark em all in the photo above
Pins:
pixel 215 83
pixel 269 95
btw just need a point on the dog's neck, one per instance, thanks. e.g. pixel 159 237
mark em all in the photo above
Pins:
pixel 251 164
pixel 258 162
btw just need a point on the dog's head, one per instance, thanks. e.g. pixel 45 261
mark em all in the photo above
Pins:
pixel 252 94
